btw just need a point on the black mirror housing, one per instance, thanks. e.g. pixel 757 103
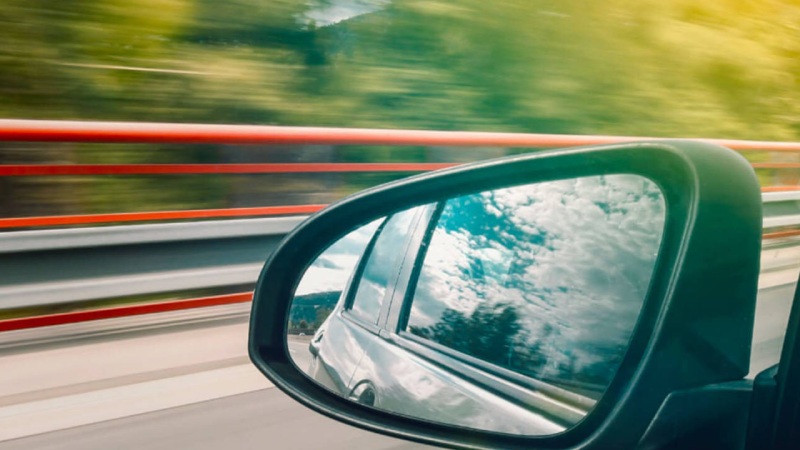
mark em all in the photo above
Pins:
pixel 694 330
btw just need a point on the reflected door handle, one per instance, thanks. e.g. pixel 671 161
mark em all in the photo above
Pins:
pixel 363 393
pixel 313 347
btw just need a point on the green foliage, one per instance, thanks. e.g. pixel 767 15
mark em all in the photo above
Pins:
pixel 723 68
pixel 309 311
pixel 726 67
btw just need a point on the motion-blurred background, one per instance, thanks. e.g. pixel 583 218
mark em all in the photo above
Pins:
pixel 724 68
pixel 181 378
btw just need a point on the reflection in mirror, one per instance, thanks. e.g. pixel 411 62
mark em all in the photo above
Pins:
pixel 507 310
pixel 320 288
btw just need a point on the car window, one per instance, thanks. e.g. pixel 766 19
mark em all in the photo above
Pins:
pixel 381 264
pixel 546 280
pixel 321 286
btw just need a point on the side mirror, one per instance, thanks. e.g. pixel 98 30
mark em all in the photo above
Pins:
pixel 549 300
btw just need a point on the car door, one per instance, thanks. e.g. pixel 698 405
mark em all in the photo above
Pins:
pixel 355 323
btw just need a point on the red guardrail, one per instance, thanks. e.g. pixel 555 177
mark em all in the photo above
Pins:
pixel 28 170
pixel 23 323
pixel 39 170
pixel 120 132
pixel 79 131
pixel 42 221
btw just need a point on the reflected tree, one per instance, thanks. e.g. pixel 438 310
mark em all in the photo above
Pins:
pixel 489 333
pixel 546 279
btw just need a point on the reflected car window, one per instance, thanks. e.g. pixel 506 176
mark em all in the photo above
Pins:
pixel 381 264
pixel 546 280
pixel 331 269
pixel 323 282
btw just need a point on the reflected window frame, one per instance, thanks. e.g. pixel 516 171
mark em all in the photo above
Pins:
pixel 351 288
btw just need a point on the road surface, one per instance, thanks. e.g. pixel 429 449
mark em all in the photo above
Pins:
pixel 264 419
pixel 175 380
pixel 183 380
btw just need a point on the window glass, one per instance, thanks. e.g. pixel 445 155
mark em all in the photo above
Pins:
pixel 381 265
pixel 546 280
pixel 321 286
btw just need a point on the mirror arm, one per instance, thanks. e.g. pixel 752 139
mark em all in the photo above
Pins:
pixel 712 416
pixel 762 410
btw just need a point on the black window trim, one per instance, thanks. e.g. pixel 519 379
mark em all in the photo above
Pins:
pixel 352 286
pixel 417 244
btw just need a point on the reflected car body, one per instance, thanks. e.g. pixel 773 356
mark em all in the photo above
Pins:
pixel 495 367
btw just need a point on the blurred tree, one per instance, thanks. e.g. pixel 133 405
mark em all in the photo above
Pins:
pixel 723 68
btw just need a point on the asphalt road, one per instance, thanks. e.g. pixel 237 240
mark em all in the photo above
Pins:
pixel 772 318
pixel 176 380
pixel 187 383
pixel 262 419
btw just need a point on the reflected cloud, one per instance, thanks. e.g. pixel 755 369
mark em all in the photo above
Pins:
pixel 332 268
pixel 572 259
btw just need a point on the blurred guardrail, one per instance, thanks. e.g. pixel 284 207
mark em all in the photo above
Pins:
pixel 56 266
pixel 42 267
pixel 780 256
pixel 45 267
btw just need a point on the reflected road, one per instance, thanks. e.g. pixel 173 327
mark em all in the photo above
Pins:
pixel 298 351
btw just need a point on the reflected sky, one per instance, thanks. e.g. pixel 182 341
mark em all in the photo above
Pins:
pixel 550 277
pixel 332 268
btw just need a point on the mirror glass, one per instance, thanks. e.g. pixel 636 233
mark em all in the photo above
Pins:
pixel 507 310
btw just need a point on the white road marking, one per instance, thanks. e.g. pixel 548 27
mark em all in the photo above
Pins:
pixel 59 413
